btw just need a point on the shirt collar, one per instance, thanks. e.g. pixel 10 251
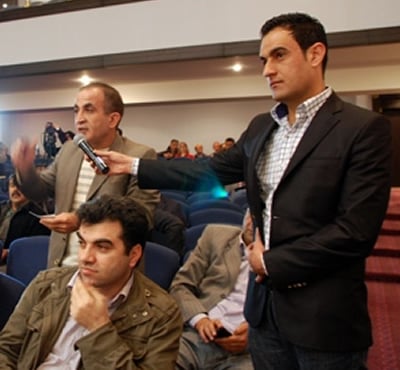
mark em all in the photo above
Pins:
pixel 309 107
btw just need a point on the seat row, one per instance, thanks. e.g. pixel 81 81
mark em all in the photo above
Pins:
pixel 204 207
pixel 28 256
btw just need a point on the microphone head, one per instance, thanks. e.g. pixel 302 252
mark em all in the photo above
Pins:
pixel 78 138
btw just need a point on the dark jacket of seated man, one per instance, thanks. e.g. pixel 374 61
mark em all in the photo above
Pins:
pixel 16 220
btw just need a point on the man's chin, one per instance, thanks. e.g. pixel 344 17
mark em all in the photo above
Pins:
pixel 89 281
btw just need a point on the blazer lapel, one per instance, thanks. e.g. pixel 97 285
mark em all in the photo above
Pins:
pixel 69 174
pixel 97 182
pixel 263 134
pixel 232 257
pixel 320 126
pixel 100 179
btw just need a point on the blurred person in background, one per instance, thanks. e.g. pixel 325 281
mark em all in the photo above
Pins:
pixel 16 221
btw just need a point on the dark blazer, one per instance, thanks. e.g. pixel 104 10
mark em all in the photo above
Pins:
pixel 326 214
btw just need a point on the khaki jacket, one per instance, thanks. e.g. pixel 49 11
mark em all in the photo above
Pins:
pixel 211 271
pixel 144 332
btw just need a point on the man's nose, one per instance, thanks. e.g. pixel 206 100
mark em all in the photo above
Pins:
pixel 87 254
pixel 268 69
pixel 79 117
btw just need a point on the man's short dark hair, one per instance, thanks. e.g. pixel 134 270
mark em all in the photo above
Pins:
pixel 112 98
pixel 129 213
pixel 305 29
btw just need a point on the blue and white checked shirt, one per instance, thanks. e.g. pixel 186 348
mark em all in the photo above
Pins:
pixel 280 148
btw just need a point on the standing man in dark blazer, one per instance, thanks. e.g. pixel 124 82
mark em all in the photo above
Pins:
pixel 317 171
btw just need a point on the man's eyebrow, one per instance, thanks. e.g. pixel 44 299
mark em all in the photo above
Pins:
pixel 97 241
pixel 277 49
pixel 86 105
pixel 103 240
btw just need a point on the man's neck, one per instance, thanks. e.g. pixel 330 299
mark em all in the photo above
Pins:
pixel 105 143
pixel 16 206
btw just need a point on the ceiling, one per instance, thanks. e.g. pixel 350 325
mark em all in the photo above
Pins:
pixel 370 55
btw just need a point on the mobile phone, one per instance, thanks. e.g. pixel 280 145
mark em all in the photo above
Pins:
pixel 223 333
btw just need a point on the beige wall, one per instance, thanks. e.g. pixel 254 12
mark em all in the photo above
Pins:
pixel 152 124
pixel 155 124
pixel 161 24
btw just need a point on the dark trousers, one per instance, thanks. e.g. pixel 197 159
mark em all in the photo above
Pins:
pixel 271 351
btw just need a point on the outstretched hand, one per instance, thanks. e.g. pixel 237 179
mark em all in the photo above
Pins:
pixel 23 155
pixel 118 163
pixel 65 222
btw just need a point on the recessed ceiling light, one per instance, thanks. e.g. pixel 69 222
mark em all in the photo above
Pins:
pixel 85 80
pixel 237 67
pixel 5 5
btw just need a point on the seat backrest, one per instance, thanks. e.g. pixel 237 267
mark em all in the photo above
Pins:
pixel 239 197
pixel 184 207
pixel 3 196
pixel 10 292
pixel 215 215
pixel 27 256
pixel 160 264
pixel 175 194
pixel 192 234
pixel 202 195
pixel 223 203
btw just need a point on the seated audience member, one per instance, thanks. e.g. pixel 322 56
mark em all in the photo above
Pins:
pixel 210 289
pixel 169 224
pixel 217 147
pixel 16 221
pixel 228 143
pixel 103 314
pixel 184 151
pixel 198 148
pixel 171 151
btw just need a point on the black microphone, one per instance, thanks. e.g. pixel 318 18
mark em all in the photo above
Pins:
pixel 88 150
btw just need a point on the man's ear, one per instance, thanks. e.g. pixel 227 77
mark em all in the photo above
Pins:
pixel 316 54
pixel 114 119
pixel 135 255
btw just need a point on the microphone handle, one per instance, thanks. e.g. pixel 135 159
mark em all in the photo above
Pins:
pixel 100 164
